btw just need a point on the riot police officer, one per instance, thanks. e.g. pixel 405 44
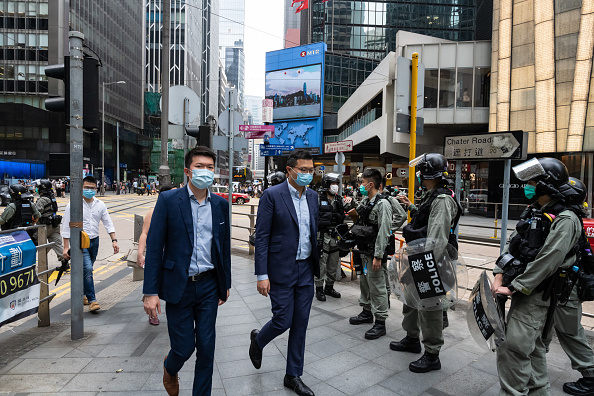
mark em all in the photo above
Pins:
pixel 276 178
pixel 332 208
pixel 48 208
pixel 534 261
pixel 568 315
pixel 434 219
pixel 20 212
pixel 372 232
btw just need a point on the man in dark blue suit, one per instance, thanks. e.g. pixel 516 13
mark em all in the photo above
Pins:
pixel 286 261
pixel 188 264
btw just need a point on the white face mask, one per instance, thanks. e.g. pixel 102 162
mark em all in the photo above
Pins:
pixel 333 189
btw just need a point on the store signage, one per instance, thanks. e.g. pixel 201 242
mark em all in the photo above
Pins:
pixel 7 152
pixel 338 147
pixel 487 146
pixel 267 105
pixel 402 172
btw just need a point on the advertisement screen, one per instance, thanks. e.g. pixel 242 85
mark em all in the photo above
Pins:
pixel 295 92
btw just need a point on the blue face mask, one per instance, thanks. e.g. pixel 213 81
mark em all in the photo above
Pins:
pixel 202 178
pixel 303 179
pixel 529 191
pixel 89 193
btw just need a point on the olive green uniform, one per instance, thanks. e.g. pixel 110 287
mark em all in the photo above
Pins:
pixel 398 218
pixel 11 210
pixel 521 358
pixel 330 257
pixel 430 323
pixel 53 233
pixel 374 296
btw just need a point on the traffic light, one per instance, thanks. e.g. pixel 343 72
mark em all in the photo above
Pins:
pixel 60 104
pixel 201 133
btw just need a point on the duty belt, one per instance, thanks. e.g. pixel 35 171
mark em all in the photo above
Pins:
pixel 201 276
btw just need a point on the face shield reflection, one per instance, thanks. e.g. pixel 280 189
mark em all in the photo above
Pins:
pixel 529 170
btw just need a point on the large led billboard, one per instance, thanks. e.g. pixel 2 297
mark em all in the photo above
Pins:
pixel 295 92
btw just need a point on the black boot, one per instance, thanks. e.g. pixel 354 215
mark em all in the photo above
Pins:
pixel 446 322
pixel 378 330
pixel 583 387
pixel 329 291
pixel 407 344
pixel 320 293
pixel 427 362
pixel 364 317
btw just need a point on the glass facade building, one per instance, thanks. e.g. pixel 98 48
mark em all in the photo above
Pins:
pixel 231 39
pixel 292 26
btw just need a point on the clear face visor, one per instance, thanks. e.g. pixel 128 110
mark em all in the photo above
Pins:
pixel 333 176
pixel 417 161
pixel 529 170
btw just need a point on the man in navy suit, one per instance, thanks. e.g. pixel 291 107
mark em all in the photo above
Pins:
pixel 188 264
pixel 286 261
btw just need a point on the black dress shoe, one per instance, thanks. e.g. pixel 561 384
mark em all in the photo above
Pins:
pixel 583 387
pixel 295 384
pixel 427 362
pixel 407 344
pixel 255 351
pixel 320 293
pixel 446 322
pixel 378 330
pixel 329 291
pixel 364 317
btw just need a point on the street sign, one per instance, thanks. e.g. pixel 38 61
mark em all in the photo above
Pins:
pixel 487 146
pixel 282 147
pixel 224 121
pixel 402 172
pixel 345 145
pixel 339 158
pixel 256 128
pixel 267 105
pixel 222 143
pixel 322 168
pixel 269 153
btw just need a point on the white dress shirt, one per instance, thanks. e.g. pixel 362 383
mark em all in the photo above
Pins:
pixel 93 213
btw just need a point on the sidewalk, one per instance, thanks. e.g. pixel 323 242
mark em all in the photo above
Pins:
pixel 339 361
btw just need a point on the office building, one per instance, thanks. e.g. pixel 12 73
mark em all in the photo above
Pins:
pixel 292 27
pixel 232 32
pixel 254 105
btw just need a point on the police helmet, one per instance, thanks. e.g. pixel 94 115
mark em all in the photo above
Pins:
pixel 574 191
pixel 276 178
pixel 16 191
pixel 330 178
pixel 430 166
pixel 45 185
pixel 548 173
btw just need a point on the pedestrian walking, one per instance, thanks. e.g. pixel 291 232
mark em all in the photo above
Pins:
pixel 286 261
pixel 188 264
pixel 94 212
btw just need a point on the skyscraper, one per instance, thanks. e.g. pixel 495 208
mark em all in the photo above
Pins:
pixel 231 39
pixel 292 27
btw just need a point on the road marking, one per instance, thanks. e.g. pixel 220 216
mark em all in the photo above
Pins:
pixel 472 258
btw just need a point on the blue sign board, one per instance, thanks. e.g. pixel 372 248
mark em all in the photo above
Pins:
pixel 271 153
pixel 295 84
pixel 286 147
pixel 19 286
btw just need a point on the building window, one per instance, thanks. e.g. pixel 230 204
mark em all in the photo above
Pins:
pixel 431 89
pixel 482 87
pixel 464 88
pixel 447 88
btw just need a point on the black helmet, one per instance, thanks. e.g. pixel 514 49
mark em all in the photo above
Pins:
pixel 548 173
pixel 330 178
pixel 16 190
pixel 276 178
pixel 430 166
pixel 45 185
pixel 574 191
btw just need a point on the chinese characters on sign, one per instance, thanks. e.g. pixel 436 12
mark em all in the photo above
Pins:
pixel 7 152
pixel 425 275
pixel 500 145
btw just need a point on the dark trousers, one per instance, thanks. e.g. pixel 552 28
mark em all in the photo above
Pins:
pixel 191 325
pixel 291 304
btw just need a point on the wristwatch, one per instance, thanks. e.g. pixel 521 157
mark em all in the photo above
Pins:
pixel 114 240
pixel 512 289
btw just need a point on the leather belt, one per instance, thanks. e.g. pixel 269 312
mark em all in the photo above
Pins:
pixel 201 276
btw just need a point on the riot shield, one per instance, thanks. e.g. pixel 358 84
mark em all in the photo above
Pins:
pixel 428 275
pixel 484 320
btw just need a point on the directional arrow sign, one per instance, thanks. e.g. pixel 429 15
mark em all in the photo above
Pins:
pixel 268 153
pixel 285 147
pixel 487 146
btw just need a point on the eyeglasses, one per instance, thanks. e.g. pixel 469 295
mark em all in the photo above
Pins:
pixel 305 170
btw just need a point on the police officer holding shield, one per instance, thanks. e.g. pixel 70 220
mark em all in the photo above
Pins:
pixel 568 315
pixel 535 260
pixel 434 219
pixel 372 233
pixel 20 212
pixel 332 208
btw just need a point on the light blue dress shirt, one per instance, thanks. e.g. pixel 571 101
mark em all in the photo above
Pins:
pixel 202 220
pixel 302 210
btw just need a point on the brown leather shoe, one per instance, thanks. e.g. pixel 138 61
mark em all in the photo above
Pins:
pixel 170 382
pixel 94 306
pixel 85 301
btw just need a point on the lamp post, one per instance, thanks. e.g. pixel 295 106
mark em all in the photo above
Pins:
pixel 102 189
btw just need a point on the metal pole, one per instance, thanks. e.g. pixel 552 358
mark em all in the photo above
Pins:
pixel 457 188
pixel 413 127
pixel 505 208
pixel 590 170
pixel 117 168
pixel 102 188
pixel 164 172
pixel 186 100
pixel 231 110
pixel 44 312
pixel 76 199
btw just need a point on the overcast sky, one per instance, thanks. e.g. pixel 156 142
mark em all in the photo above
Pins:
pixel 268 18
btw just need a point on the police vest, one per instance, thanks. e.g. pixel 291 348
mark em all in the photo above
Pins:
pixel 363 231
pixel 23 216
pixel 331 213
pixel 419 224
pixel 50 207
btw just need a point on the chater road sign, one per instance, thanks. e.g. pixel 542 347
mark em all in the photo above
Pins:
pixel 487 146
